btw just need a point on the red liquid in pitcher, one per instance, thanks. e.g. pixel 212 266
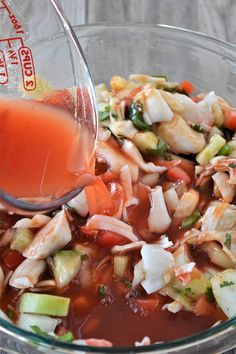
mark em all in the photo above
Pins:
pixel 42 150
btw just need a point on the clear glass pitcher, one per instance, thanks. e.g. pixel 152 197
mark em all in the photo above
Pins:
pixel 47 107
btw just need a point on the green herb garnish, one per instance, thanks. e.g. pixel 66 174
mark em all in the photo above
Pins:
pixel 67 337
pixel 102 290
pixel 198 128
pixel 191 220
pixel 232 164
pixel 209 295
pixel 127 283
pixel 161 149
pixel 104 115
pixel 225 150
pixel 69 208
pixel 227 242
pixel 136 116
pixel 84 257
pixel 226 283
pixel 187 291
pixel 10 313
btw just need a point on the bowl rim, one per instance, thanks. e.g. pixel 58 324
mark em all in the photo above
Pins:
pixel 184 342
pixel 159 26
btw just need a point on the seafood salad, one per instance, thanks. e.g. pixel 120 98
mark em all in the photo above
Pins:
pixel 146 253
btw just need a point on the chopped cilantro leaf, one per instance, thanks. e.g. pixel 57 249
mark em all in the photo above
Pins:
pixel 128 283
pixel 102 290
pixel 67 337
pixel 38 331
pixel 226 283
pixel 198 128
pixel 84 257
pixel 187 291
pixel 227 242
pixel 209 295
pixel 69 208
pixel 225 150
pixel 232 164
pixel 104 115
pixel 136 116
pixel 191 220
pixel 10 313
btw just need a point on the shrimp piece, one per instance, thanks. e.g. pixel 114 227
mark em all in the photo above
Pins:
pixel 27 274
pixel 52 237
pixel 37 221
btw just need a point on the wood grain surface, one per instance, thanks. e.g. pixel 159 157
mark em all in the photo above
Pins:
pixel 213 17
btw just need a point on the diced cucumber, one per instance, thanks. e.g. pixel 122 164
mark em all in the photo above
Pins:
pixel 44 304
pixel 120 265
pixel 194 288
pixel 22 238
pixel 146 141
pixel 209 151
pixel 66 264
pixel 83 250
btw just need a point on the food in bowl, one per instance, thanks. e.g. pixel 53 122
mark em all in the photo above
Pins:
pixel 145 253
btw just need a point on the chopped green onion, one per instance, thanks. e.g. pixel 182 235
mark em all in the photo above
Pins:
pixel 227 242
pixel 136 116
pixel 226 283
pixel 225 150
pixel 210 150
pixel 191 220
pixel 198 128
pixel 209 295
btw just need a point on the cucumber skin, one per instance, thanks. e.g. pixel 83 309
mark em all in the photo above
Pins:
pixel 44 304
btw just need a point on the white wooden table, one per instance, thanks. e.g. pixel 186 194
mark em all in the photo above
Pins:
pixel 213 17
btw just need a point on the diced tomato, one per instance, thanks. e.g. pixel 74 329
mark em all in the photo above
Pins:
pixel 81 304
pixel 12 259
pixel 230 119
pixel 109 239
pixel 149 304
pixel 203 307
pixel 109 176
pixel 186 86
pixel 164 163
pixel 131 95
pixel 98 198
pixel 178 174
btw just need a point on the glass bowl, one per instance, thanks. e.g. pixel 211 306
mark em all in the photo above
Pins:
pixel 150 49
